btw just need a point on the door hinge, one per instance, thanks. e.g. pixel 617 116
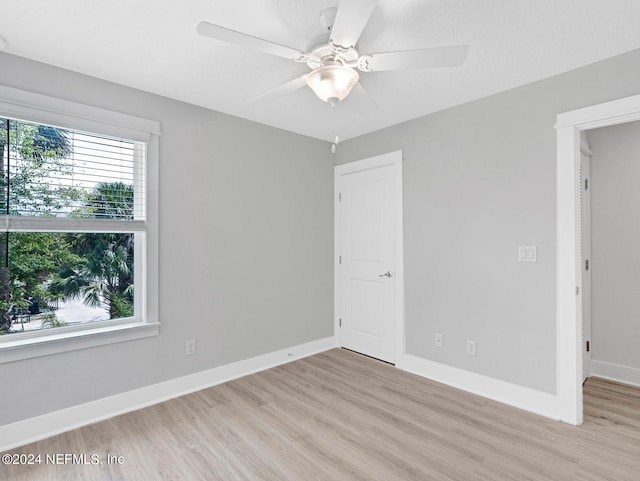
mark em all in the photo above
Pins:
pixel 586 264
pixel 586 184
pixel 588 346
pixel 339 259
pixel 340 197
pixel 577 290
pixel 340 322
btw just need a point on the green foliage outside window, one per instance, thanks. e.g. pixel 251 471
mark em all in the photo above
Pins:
pixel 44 266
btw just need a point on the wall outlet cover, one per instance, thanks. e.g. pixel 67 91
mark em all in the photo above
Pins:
pixel 527 253
pixel 191 347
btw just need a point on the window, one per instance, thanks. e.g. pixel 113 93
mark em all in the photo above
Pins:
pixel 77 244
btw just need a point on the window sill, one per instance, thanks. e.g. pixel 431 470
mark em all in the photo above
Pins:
pixel 26 348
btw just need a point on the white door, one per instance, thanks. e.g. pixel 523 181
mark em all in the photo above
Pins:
pixel 368 291
pixel 585 224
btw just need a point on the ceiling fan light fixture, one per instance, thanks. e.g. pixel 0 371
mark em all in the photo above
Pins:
pixel 333 81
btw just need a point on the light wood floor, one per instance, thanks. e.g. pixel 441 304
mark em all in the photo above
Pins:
pixel 341 416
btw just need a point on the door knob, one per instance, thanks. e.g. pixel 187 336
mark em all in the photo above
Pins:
pixel 386 274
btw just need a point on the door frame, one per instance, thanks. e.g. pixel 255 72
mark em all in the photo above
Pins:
pixel 586 153
pixel 568 242
pixel 394 159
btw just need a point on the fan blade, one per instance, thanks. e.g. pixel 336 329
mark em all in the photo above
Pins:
pixel 409 59
pixel 283 89
pixel 351 18
pixel 360 100
pixel 238 38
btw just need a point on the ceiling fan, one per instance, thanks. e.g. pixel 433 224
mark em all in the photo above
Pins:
pixel 335 62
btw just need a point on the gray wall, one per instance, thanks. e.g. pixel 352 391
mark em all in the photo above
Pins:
pixel 615 237
pixel 479 180
pixel 245 241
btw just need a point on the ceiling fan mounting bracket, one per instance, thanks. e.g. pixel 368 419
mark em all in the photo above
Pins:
pixel 363 63
pixel 326 53
pixel 302 58
pixel 339 49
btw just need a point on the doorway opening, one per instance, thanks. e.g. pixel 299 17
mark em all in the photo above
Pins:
pixel 569 283
pixel 610 207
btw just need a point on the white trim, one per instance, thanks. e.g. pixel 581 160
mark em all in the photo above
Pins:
pixel 390 158
pixel 369 163
pixel 336 263
pixel 41 427
pixel 618 111
pixel 585 239
pixel 399 215
pixel 521 397
pixel 16 347
pixel 39 108
pixel 568 264
pixel 32 107
pixel 616 372
pixel 149 264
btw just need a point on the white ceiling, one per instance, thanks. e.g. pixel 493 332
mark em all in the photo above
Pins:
pixel 152 45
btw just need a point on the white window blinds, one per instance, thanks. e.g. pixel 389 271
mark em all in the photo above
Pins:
pixel 60 179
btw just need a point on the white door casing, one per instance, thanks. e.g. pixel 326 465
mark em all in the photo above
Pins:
pixel 369 289
pixel 568 259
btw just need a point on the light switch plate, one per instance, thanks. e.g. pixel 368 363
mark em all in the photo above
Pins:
pixel 527 253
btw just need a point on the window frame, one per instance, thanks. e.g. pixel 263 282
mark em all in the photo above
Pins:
pixel 42 109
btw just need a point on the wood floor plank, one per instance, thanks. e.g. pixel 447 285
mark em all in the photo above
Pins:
pixel 342 416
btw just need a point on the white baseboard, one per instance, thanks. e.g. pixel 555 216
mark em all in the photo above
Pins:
pixel 521 397
pixel 41 427
pixel 615 372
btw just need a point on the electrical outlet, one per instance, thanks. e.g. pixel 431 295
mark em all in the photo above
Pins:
pixel 471 348
pixel 437 339
pixel 191 347
pixel 527 253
